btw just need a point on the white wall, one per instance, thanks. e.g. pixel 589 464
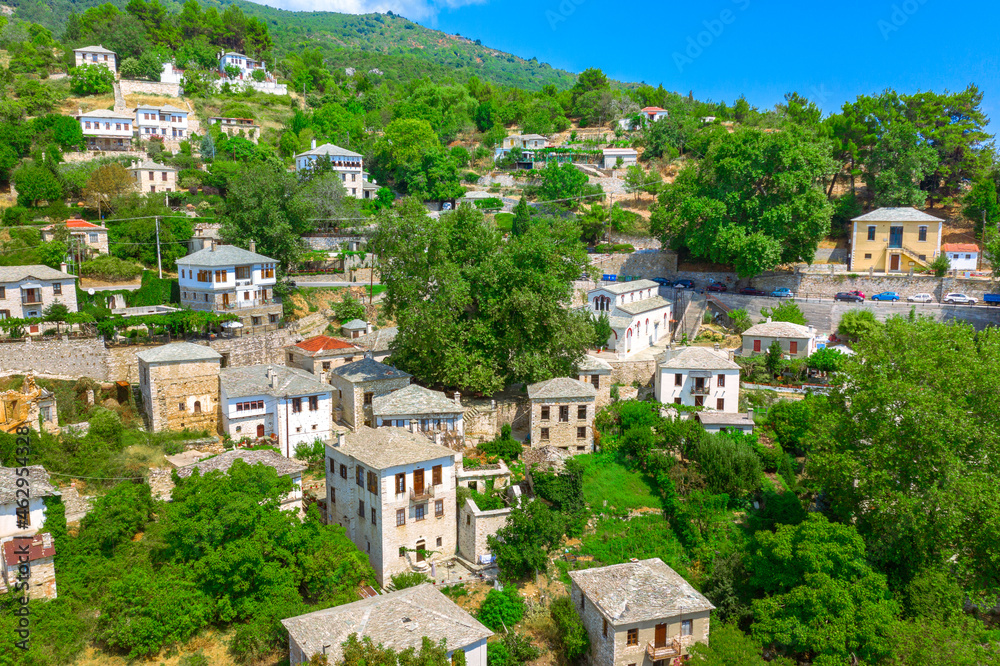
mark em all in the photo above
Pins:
pixel 667 391
pixel 292 428
pixel 959 261
pixel 8 518
pixel 449 422
pixel 117 128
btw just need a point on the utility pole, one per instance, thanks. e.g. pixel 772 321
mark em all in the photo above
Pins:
pixel 159 261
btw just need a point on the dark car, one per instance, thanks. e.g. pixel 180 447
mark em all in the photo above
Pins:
pixel 849 296
pixel 684 284
pixel 750 291
pixel 663 282
pixel 717 286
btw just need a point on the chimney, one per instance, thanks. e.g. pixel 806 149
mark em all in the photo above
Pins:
pixel 718 347
pixel 64 267
pixel 368 328
pixel 341 439
pixel 253 246
pixel 668 353
pixel 314 144
pixel 211 245
pixel 750 413
pixel 732 355
pixel 79 111
pixel 768 320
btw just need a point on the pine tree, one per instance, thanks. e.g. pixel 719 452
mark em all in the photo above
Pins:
pixel 522 218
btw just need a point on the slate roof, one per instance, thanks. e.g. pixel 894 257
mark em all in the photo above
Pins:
pixel 42 545
pixel 355 325
pixel 222 462
pixel 223 255
pixel 591 365
pixel 367 370
pixel 36 271
pixel 319 344
pixel 903 214
pixel 254 380
pixel 644 305
pixel 619 323
pixel 700 358
pixel 105 113
pixel 177 352
pixel 778 329
pixel 561 387
pixel 377 341
pixel 626 287
pixel 94 49
pixel 397 620
pixel 381 448
pixel 725 418
pixel 38 483
pixel 166 107
pixel 639 591
pixel 150 165
pixel 414 400
pixel 331 150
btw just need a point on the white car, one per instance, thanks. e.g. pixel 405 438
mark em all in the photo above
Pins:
pixel 959 299
pixel 920 298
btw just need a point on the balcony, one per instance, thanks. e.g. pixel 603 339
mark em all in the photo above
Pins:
pixel 422 495
pixel 701 390
pixel 244 283
pixel 656 653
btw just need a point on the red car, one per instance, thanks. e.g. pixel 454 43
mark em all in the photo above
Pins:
pixel 750 291
pixel 858 293
pixel 717 286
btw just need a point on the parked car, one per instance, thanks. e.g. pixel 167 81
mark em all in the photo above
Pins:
pixel 717 286
pixel 663 282
pixel 848 296
pixel 783 292
pixel 857 292
pixel 750 291
pixel 959 299
pixel 684 284
pixel 920 298
pixel 886 296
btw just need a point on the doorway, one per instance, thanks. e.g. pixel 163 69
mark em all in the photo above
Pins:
pixel 896 237
pixel 421 547
pixel 660 636
pixel 418 482
pixel 260 430
pixel 894 262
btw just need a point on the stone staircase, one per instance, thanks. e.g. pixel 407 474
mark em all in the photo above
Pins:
pixel 694 314
pixel 119 97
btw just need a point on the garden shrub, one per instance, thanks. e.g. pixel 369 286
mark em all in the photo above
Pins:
pixel 572 634
pixel 110 268
pixel 501 609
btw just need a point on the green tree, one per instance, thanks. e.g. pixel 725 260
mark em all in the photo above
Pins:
pixel 729 647
pixel 522 218
pixel 773 358
pixel 602 331
pixel 91 80
pixel 365 652
pixel 521 546
pixel 501 610
pixel 729 466
pixel 941 265
pixel 107 187
pixel 785 311
pixel 573 637
pixel 565 184
pixel 34 184
pixel 980 205
pixel 402 147
pixel 740 320
pixel 858 324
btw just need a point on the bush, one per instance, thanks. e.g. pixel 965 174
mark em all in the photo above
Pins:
pixel 311 454
pixel 348 309
pixel 107 426
pixel 573 635
pixel 513 649
pixel 729 466
pixel 109 268
pixel 91 80
pixel 501 610
pixel 502 447
pixel 407 579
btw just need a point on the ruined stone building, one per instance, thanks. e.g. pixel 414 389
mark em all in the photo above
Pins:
pixel 562 414
pixel 32 406
pixel 180 386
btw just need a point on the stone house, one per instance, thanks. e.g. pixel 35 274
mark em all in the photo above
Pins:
pixel 107 130
pixel 638 315
pixel 39 487
pixel 96 55
pixel 394 492
pixel 475 526
pixel 397 620
pixel 640 613
pixel 355 329
pixel 151 177
pixel 320 354
pixel 420 409
pixel 562 414
pixel 226 279
pixel 180 386
pixel 26 291
pixel 796 341
pixel 894 240
pixel 30 560
pixel 356 385
pixel 282 465
pixel 376 344
pixel 597 373
pixel 287 404
pixel 88 235
pixel 347 163
pixel 245 127
pixel 698 377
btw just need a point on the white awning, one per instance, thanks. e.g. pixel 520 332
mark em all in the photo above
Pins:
pixel 31 285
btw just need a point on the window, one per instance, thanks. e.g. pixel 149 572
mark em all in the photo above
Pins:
pixel 545 413
pixel 372 482
pixel 468 520
pixel 313 403
pixel 181 407
pixel 437 542
pixel 333 466
pixel 373 515
pixel 3 292
pixel 793 347
pixel 197 406
pixel 368 398
pixel 544 434
pixel 333 495
pixel 720 404
pixel 439 508
pixel 871 233
pixel 922 234
pixel 420 512
pixel 296 405
pixel 93 237
pixel 86 125
pixel 686 627
pixel 677 401
pixel 756 345
pixel 721 381
pixel 678 379
pixel 361 508
pixel 151 175
pixel 244 272
pixel 632 637
pixel 359 476
pixel 326 365
pixel 604 627
pixel 436 475
pixel 57 287
pixel 400 484
pixel 343 471
pixel 581 413
pixel 400 518
pixel 868 255
pixel 581 432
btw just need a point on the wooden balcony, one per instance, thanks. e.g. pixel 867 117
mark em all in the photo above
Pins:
pixel 671 649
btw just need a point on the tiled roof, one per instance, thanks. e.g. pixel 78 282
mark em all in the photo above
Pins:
pixel 169 108
pixel 315 346
pixel 38 483
pixel 414 400
pixel 151 165
pixel 653 109
pixel 626 287
pixel 330 150
pixel 724 418
pixel 41 545
pixel 644 305
pixel 639 591
pixel 94 49
pixel 257 380
pixel 105 113
pixel 778 329
pixel 700 358
pixel 382 448
pixel 377 341
pixel 36 271
pixel 355 325
pixel 177 352
pixel 222 462
pixel 906 214
pixel 561 387
pixel 367 370
pixel 397 620
pixel 77 224
pixel 960 247
pixel 591 365
pixel 223 255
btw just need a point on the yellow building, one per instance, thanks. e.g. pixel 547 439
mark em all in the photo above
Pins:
pixel 894 240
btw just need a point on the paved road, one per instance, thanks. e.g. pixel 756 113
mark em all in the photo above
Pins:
pixel 302 283
pixel 120 287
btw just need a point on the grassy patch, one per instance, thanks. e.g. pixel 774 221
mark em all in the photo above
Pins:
pixel 605 479
pixel 504 221
pixel 616 541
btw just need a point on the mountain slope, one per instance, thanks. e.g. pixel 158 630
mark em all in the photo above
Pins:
pixel 333 33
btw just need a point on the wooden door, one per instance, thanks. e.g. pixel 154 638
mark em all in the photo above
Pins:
pixel 260 430
pixel 894 262
pixel 225 300
pixel 418 481
pixel 793 347
pixel 660 638
pixel 420 551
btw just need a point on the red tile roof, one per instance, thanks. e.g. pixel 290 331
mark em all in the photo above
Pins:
pixel 82 224
pixel 324 343
pixel 960 247
pixel 652 109
pixel 41 545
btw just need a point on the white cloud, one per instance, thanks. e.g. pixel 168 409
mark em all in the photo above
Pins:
pixel 417 10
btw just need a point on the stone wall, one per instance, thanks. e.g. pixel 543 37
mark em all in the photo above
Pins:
pixel 130 87
pixel 626 372
pixel 474 526
pixel 648 264
pixel 193 385
pixel 75 358
pixel 90 155
pixel 563 434
pixel 818 285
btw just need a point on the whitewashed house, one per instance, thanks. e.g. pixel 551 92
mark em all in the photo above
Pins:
pixel 25 291
pixel 639 316
pixel 245 64
pixel 698 377
pixel 39 486
pixel 276 401
pixel 96 55
pixel 348 164
pixel 229 279
pixel 166 122
pixel 962 256
pixel 654 114
pixel 611 157
pixel 107 130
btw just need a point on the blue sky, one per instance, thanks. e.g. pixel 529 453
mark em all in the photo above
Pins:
pixel 720 49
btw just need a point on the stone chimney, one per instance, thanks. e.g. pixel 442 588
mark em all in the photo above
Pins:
pixel 211 245
pixel 253 246
pixel 458 399
pixel 732 355
pixel 750 413
pixel 768 320
pixel 368 328
pixel 717 347
pixel 341 439
pixel 64 267
pixel 668 353
pixel 314 144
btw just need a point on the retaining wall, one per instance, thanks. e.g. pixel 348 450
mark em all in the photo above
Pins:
pixel 74 358
pixel 130 87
